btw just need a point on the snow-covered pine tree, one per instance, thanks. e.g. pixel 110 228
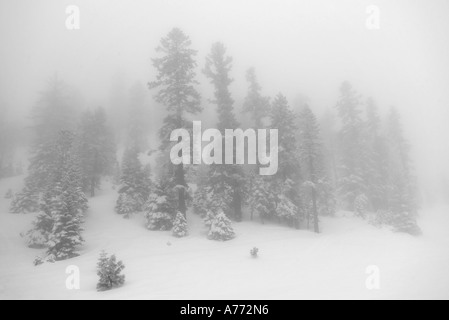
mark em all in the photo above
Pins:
pixel 135 185
pixel 160 209
pixel 263 197
pixel 286 210
pixel 201 200
pixel 224 180
pixel 109 271
pixel 214 205
pixel 351 176
pixel 127 205
pixel 402 200
pixel 221 228
pixel 310 153
pixel 176 82
pixel 180 226
pixel 69 204
pixel 39 235
pixel 329 139
pixel 55 111
pixel 96 149
pixel 286 182
pixel 375 159
pixel 256 105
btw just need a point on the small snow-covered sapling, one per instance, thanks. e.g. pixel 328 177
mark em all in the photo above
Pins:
pixel 109 270
pixel 254 252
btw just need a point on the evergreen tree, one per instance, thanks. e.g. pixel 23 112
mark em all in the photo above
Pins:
pixel 63 204
pixel 286 182
pixel 351 182
pixel 310 151
pixel 221 228
pixel 402 202
pixel 39 235
pixel 263 197
pixel 176 82
pixel 135 185
pixel 109 270
pixel 376 158
pixel 68 205
pixel 55 111
pixel 180 226
pixel 255 104
pixel 96 149
pixel 160 209
pixel 201 200
pixel 225 180
pixel 329 138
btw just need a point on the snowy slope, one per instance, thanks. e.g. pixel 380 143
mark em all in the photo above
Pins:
pixel 292 264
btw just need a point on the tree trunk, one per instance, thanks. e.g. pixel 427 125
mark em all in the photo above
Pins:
pixel 314 206
pixel 315 212
pixel 237 204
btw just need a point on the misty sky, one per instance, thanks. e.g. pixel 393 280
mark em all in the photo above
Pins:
pixel 298 47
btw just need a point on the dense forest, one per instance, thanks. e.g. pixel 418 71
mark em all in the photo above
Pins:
pixel 350 158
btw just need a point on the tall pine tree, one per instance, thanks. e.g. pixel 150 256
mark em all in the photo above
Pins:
pixel 224 180
pixel 176 82
pixel 351 177
pixel 286 182
pixel 311 156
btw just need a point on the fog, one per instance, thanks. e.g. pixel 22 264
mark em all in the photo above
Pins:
pixel 299 48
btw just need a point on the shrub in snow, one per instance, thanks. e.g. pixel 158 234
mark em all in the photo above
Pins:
pixel 180 226
pixel 221 228
pixel 38 261
pixel 254 252
pixel 398 222
pixel 9 194
pixel 405 222
pixel 109 270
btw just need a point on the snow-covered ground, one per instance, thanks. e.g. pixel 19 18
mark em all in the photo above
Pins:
pixel 292 264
